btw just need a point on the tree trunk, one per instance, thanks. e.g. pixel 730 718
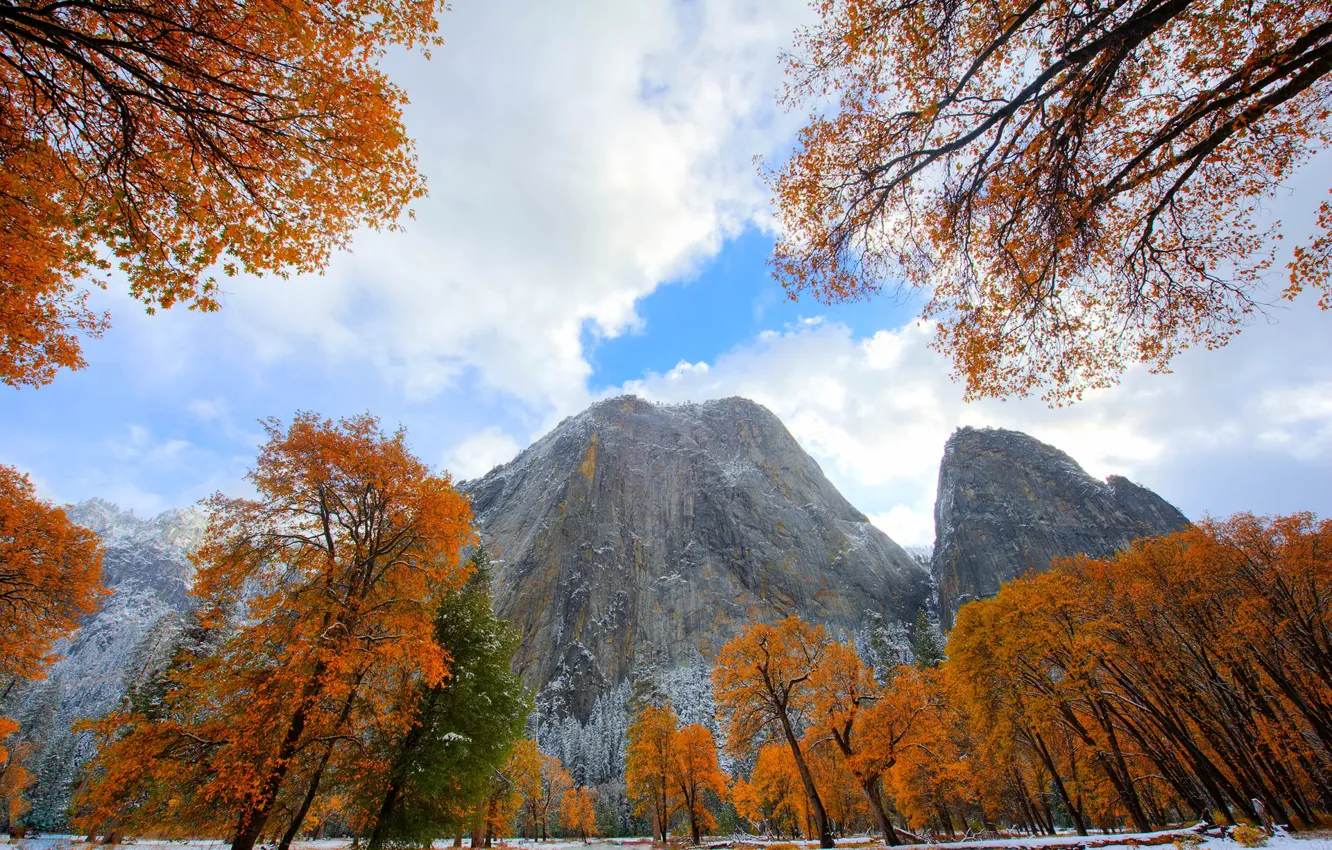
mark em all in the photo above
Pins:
pixel 870 786
pixel 478 825
pixel 947 819
pixel 806 779
pixel 1073 810
pixel 294 828
pixel 385 809
pixel 254 816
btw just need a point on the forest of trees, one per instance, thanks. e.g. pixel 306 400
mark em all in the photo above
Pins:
pixel 1079 187
pixel 344 673
pixel 1187 678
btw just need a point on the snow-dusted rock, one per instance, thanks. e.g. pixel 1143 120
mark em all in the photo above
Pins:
pixel 147 568
pixel 637 532
pixel 1008 503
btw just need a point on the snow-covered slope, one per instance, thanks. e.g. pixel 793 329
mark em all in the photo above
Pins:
pixel 147 569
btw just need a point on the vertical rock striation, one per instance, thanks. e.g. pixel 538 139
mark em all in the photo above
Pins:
pixel 637 531
pixel 1008 503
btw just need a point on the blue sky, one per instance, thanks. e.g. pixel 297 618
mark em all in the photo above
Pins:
pixel 726 303
pixel 596 225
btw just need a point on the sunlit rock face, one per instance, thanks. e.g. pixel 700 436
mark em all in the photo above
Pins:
pixel 638 533
pixel 1008 503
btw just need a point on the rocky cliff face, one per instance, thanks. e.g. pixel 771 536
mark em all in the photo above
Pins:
pixel 1008 503
pixel 146 567
pixel 636 532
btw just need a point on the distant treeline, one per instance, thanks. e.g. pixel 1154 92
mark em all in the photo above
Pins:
pixel 1187 678
pixel 344 673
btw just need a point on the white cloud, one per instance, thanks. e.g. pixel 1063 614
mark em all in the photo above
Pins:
pixel 876 412
pixel 578 155
pixel 908 526
pixel 479 453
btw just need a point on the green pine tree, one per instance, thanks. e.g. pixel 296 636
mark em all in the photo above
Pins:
pixel 927 643
pixel 445 764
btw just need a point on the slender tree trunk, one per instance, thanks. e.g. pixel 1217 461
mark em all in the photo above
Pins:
pixel 946 819
pixel 391 795
pixel 1074 810
pixel 254 816
pixel 870 786
pixel 811 793
pixel 294 828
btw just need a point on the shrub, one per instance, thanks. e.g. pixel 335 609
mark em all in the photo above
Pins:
pixel 1187 842
pixel 1248 836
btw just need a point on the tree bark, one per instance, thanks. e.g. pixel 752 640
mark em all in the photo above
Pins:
pixel 254 817
pixel 1073 810
pixel 870 786
pixel 806 779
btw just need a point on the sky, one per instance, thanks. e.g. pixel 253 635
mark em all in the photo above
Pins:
pixel 596 225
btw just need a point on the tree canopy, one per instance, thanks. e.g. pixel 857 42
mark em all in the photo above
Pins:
pixel 179 141
pixel 321 594
pixel 1078 186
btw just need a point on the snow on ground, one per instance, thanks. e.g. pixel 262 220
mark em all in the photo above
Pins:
pixel 1070 842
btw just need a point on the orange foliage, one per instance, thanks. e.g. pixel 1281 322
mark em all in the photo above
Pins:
pixel 316 624
pixel 762 681
pixel 577 815
pixel 50 577
pixel 15 778
pixel 1078 187
pixel 777 793
pixel 184 139
pixel 648 762
pixel 849 707
pixel 541 782
pixel 1183 677
pixel 694 772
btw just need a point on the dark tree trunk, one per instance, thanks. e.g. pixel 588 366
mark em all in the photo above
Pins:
pixel 806 779
pixel 1074 810
pixel 870 787
pixel 254 816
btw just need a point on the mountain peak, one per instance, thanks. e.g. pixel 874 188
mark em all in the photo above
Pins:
pixel 1009 503
pixel 638 530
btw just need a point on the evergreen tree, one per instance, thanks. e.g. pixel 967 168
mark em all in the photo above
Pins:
pixel 927 643
pixel 443 766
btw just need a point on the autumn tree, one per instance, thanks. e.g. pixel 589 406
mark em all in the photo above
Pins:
pixel 762 683
pixel 523 770
pixel 15 780
pixel 844 690
pixel 442 767
pixel 695 773
pixel 649 762
pixel 50 577
pixel 1183 677
pixel 776 794
pixel 323 589
pixel 542 782
pixel 495 814
pixel 577 815
pixel 180 141
pixel 1078 187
